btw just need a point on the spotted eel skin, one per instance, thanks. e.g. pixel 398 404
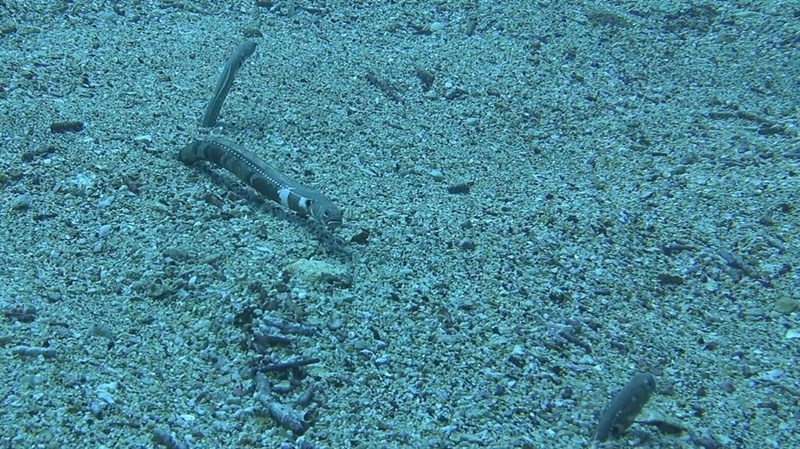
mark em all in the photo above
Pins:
pixel 264 178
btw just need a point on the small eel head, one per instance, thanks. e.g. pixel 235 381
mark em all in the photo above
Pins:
pixel 325 213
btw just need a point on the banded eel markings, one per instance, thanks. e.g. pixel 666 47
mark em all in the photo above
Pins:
pixel 264 178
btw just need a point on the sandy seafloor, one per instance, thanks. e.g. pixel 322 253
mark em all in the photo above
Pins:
pixel 585 191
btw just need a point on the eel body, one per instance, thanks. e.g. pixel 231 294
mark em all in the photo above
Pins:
pixel 621 412
pixel 232 65
pixel 264 178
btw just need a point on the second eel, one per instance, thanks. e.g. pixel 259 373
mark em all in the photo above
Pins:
pixel 264 178
pixel 232 65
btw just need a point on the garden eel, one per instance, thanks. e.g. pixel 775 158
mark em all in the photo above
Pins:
pixel 621 412
pixel 235 60
pixel 261 176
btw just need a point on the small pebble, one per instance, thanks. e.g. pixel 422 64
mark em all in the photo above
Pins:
pixel 96 408
pixel 335 324
pixel 106 201
pixel 436 26
pixel 100 331
pixel 727 386
pixel 772 375
pixel 436 174
pixel 786 305
pixel 21 202
pixel 104 231
pixel 282 387
pixel 466 244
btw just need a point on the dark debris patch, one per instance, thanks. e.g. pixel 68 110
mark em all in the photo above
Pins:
pixel 462 188
pixel 71 126
pixel 21 314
